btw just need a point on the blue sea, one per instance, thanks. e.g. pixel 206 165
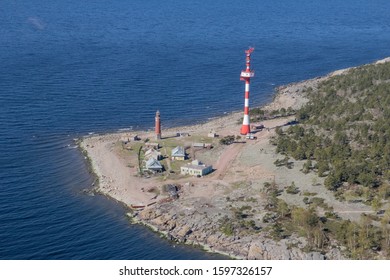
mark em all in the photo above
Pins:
pixel 69 68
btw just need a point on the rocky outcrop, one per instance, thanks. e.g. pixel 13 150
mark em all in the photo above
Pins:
pixel 201 228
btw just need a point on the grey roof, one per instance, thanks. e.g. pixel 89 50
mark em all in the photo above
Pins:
pixel 152 163
pixel 178 152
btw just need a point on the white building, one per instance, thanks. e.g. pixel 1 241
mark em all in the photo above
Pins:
pixel 196 168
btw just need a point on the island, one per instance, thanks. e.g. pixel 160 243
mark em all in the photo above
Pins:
pixel 308 182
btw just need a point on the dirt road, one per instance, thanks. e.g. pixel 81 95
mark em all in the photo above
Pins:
pixel 224 161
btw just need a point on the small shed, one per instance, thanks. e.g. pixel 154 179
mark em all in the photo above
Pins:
pixel 198 145
pixel 178 153
pixel 182 134
pixel 212 134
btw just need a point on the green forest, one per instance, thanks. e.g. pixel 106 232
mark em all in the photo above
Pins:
pixel 343 133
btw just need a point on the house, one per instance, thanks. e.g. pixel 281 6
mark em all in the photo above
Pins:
pixel 178 153
pixel 153 165
pixel 151 145
pixel 153 153
pixel 196 168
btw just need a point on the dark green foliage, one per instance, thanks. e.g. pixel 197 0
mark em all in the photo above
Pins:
pixel 345 129
pixel 278 232
pixel 282 162
pixel 292 189
pixel 272 192
pixel 227 140
pixel 282 208
pixel 240 223
pixel 227 229
pixel 361 240
pixel 258 114
pixel 307 166
pixel 270 217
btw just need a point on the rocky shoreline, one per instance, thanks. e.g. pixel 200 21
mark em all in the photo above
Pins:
pixel 200 230
pixel 207 208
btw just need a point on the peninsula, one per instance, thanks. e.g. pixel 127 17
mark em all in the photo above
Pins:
pixel 256 200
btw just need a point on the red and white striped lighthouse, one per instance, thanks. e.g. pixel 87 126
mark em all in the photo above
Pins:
pixel 246 76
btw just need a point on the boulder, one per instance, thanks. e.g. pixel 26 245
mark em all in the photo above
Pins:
pixel 256 252
pixel 147 214
pixel 184 231
pixel 159 221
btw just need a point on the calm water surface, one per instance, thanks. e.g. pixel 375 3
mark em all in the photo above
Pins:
pixel 74 67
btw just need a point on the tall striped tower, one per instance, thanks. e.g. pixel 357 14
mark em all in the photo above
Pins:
pixel 246 76
pixel 158 126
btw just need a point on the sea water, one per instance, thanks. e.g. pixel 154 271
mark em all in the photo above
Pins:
pixel 69 68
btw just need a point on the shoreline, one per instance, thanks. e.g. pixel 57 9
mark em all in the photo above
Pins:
pixel 165 234
pixel 117 179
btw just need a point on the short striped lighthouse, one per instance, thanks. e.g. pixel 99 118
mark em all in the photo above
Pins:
pixel 246 76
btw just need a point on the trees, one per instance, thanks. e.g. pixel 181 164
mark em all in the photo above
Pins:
pixel 332 182
pixel 282 208
pixel 322 167
pixel 345 128
pixel 227 140
pixel 292 189
pixel 343 133
pixel 307 166
pixel 306 218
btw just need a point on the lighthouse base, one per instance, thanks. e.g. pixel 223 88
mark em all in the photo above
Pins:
pixel 245 129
